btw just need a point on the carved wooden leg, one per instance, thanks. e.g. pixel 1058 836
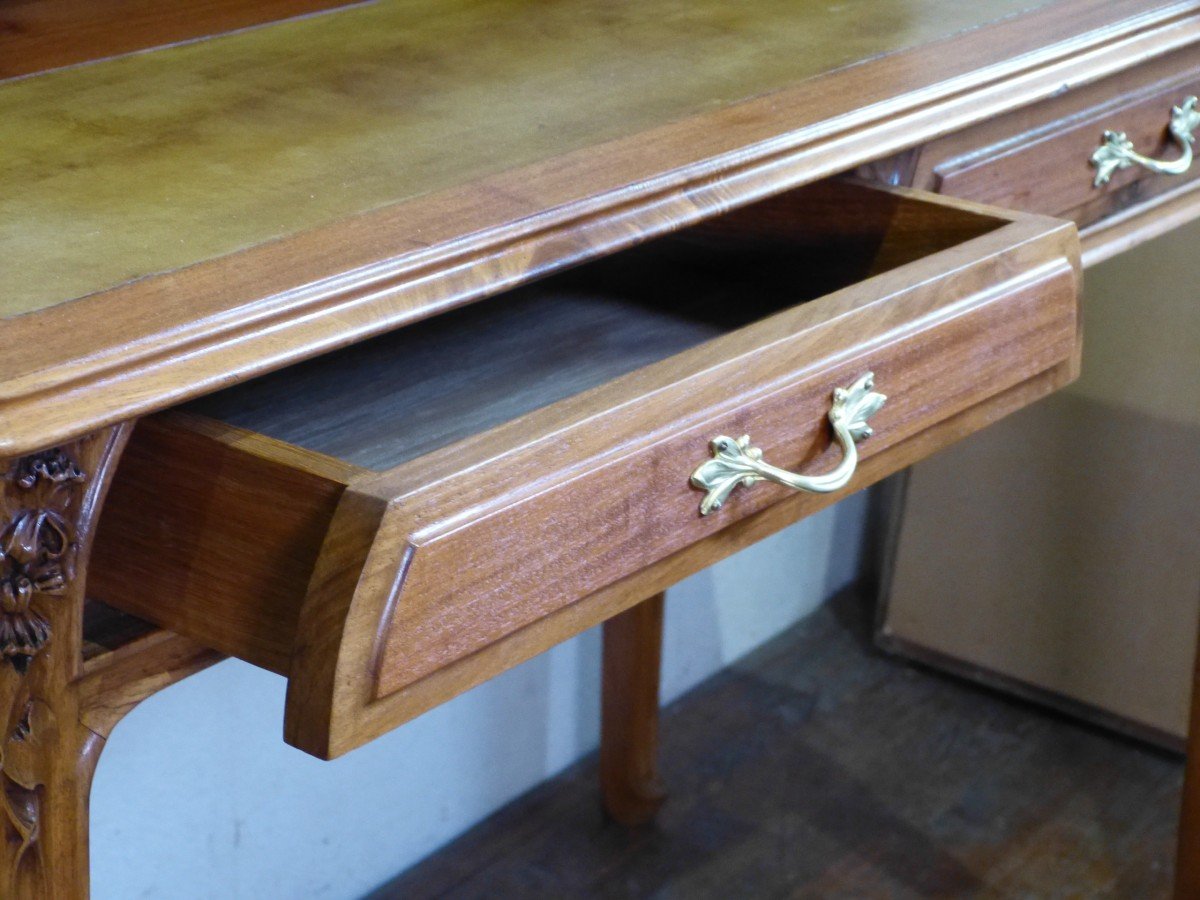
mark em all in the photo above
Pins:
pixel 629 780
pixel 56 711
pixel 48 507
pixel 1187 861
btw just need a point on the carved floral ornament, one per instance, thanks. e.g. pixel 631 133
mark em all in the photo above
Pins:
pixel 37 549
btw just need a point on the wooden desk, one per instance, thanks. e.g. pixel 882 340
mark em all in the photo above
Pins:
pixel 411 514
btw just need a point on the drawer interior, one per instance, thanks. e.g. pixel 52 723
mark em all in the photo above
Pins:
pixel 389 400
pixel 394 522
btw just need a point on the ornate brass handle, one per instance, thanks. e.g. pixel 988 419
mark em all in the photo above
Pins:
pixel 1117 150
pixel 736 462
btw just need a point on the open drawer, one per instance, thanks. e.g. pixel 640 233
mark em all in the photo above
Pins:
pixel 393 523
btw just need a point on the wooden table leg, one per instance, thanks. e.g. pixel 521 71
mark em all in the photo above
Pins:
pixel 56 712
pixel 629 780
pixel 48 507
pixel 1187 859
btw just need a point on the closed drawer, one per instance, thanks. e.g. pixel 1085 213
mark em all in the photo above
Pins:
pixel 393 523
pixel 1040 159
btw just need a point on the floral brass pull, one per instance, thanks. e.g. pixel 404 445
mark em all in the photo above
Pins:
pixel 1117 150
pixel 737 463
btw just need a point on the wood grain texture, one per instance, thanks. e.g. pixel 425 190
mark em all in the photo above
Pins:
pixel 403 395
pixel 115 682
pixel 214 530
pixel 175 334
pixel 1037 159
pixel 444 556
pixel 58 706
pixel 47 755
pixel 460 556
pixel 629 780
pixel 36 35
pixel 462 562
pixel 223 526
pixel 546 633
pixel 409 393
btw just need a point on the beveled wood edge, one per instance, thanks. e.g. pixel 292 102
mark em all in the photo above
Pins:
pixel 429 522
pixel 114 683
pixel 254 443
pixel 1157 75
pixel 322 678
pixel 344 729
pixel 544 428
pixel 52 385
pixel 331 683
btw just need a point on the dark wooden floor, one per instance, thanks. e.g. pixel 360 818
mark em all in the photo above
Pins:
pixel 817 768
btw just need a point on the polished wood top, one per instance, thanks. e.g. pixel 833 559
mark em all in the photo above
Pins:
pixel 156 161
pixel 38 35
pixel 177 220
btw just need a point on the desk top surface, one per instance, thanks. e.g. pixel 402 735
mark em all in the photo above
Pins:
pixel 175 220
pixel 154 161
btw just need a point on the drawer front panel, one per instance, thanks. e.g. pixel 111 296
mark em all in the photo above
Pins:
pixel 467 585
pixel 1039 159
pixel 457 563
pixel 432 572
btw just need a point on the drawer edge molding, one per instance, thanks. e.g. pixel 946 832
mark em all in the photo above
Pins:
pixel 217 322
pixel 398 550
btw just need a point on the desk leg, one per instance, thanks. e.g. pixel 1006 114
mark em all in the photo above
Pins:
pixel 1187 860
pixel 48 507
pixel 56 712
pixel 629 780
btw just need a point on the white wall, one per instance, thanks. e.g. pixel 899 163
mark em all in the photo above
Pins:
pixel 197 796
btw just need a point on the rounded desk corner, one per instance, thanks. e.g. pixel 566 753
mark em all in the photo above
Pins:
pixel 330 681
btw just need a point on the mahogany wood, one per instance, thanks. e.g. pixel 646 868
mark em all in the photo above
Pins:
pixel 163 245
pixel 406 394
pixel 215 529
pixel 256 514
pixel 463 538
pixel 113 684
pixel 58 710
pixel 36 35
pixel 629 779
pixel 546 633
pixel 445 554
pixel 48 507
pixel 185 331
pixel 1037 158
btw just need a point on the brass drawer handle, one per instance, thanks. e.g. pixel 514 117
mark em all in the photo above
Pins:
pixel 736 462
pixel 1117 150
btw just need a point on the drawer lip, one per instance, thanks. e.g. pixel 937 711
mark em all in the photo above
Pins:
pixel 1039 159
pixel 541 428
pixel 339 694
